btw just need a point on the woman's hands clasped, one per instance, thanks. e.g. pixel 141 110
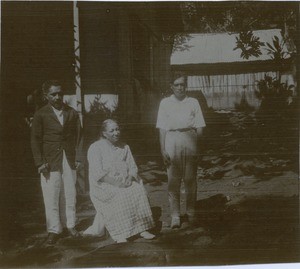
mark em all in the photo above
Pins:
pixel 124 182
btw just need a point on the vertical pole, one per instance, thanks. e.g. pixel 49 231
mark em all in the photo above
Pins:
pixel 79 98
pixel 152 67
pixel 125 69
pixel 298 52
pixel 81 173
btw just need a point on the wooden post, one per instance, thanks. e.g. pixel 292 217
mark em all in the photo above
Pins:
pixel 81 173
pixel 297 52
pixel 125 70
pixel 79 98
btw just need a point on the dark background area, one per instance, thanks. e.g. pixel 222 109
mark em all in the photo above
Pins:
pixel 36 45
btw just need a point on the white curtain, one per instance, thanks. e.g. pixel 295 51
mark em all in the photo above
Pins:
pixel 224 91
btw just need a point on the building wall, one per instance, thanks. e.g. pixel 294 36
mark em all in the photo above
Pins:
pixel 98 26
pixel 122 52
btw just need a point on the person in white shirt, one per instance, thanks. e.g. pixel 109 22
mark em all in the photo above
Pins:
pixel 180 122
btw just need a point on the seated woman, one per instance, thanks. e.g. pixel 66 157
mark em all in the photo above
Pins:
pixel 116 192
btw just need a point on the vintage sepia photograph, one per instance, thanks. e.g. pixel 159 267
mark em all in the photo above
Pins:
pixel 149 133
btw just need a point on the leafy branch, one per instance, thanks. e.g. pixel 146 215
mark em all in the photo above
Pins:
pixel 99 108
pixel 276 51
pixel 249 44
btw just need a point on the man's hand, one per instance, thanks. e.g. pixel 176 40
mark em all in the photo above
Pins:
pixel 77 165
pixel 166 158
pixel 44 169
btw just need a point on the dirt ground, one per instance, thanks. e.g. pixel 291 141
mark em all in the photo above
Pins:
pixel 247 212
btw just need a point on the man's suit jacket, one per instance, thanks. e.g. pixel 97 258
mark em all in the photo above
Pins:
pixel 49 138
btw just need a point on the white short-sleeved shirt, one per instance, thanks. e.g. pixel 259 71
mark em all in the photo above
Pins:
pixel 174 114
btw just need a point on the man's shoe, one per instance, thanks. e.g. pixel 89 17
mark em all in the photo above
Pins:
pixel 175 223
pixel 52 238
pixel 192 220
pixel 74 233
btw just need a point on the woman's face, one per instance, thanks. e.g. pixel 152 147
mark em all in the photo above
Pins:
pixel 179 88
pixel 112 132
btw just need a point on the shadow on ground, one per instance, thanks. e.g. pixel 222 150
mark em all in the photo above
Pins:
pixel 261 230
pixel 253 231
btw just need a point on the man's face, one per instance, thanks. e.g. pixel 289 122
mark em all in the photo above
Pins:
pixel 179 88
pixel 55 97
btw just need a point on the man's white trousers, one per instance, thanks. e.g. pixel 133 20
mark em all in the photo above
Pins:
pixel 59 194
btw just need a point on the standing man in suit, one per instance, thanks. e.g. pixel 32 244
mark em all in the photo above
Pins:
pixel 55 138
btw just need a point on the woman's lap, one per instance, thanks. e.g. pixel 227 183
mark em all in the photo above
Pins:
pixel 125 211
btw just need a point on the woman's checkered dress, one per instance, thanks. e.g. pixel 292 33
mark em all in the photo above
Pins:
pixel 126 211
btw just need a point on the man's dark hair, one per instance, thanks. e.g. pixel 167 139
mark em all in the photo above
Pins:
pixel 48 84
pixel 178 74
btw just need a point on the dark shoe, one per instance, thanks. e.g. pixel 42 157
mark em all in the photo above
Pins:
pixel 52 238
pixel 64 233
pixel 192 220
pixel 74 233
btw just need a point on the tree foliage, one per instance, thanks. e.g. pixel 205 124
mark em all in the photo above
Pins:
pixel 241 17
pixel 276 49
pixel 249 44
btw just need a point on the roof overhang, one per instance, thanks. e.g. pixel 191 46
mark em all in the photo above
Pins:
pixel 233 68
pixel 218 48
